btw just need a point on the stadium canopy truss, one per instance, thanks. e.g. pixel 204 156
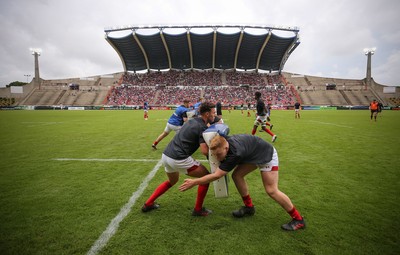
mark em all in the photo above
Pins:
pixel 188 50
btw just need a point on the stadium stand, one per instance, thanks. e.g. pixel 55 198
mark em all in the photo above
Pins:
pixel 165 68
pixel 234 88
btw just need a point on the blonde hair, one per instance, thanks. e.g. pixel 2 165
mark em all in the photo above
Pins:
pixel 217 142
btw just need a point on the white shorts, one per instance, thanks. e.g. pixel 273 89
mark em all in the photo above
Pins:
pixel 296 110
pixel 182 166
pixel 170 127
pixel 273 165
pixel 261 120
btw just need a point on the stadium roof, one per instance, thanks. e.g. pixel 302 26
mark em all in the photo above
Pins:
pixel 241 50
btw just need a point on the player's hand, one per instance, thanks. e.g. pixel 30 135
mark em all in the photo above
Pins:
pixel 187 184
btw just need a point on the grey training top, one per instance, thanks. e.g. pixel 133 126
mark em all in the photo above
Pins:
pixel 248 149
pixel 187 140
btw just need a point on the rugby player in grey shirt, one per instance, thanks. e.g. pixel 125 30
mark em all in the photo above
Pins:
pixel 177 159
pixel 243 154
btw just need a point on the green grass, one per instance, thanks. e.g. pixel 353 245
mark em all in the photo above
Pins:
pixel 340 170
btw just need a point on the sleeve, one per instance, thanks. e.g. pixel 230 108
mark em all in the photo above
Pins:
pixel 229 163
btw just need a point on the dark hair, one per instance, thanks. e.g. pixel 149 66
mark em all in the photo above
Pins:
pixel 206 107
pixel 257 94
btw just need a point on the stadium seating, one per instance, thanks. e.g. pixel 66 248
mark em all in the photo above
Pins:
pixel 229 87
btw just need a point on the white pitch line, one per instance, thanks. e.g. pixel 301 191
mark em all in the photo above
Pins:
pixel 106 159
pixel 332 124
pixel 113 159
pixel 125 210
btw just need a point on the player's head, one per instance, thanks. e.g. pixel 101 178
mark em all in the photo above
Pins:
pixel 186 103
pixel 257 95
pixel 219 146
pixel 207 111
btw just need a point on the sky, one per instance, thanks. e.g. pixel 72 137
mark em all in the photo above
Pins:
pixel 70 34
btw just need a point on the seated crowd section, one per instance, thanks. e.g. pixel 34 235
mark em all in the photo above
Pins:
pixel 172 87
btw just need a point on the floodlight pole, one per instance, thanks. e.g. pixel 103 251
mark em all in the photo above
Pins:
pixel 27 77
pixel 36 53
pixel 368 53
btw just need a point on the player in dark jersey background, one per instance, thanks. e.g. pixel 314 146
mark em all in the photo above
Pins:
pixel 261 118
pixel 297 110
pixel 218 106
pixel 177 158
pixel 243 154
pixel 174 123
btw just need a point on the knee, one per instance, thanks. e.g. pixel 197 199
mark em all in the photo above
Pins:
pixel 235 176
pixel 271 191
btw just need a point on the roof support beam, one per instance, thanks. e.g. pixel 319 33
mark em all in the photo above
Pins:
pixel 190 47
pixel 142 49
pixel 238 48
pixel 214 47
pixel 262 49
pixel 289 51
pixel 166 49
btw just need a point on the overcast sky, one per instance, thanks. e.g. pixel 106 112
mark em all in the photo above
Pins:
pixel 333 33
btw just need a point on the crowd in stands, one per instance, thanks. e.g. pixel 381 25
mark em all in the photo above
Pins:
pixel 395 100
pixel 130 95
pixel 171 87
pixel 4 101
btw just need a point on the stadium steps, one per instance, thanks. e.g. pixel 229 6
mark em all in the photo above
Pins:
pixel 49 97
pixel 23 101
pixel 101 96
pixel 35 97
pixel 354 99
pixel 59 97
pixel 348 101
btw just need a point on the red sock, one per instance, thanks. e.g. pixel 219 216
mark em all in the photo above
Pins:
pixel 201 194
pixel 253 131
pixel 155 142
pixel 268 131
pixel 247 201
pixel 161 189
pixel 295 214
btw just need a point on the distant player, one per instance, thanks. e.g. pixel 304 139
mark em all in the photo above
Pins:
pixel 380 108
pixel 248 109
pixel 297 110
pixel 197 106
pixel 262 117
pixel 146 110
pixel 174 123
pixel 218 106
pixel 373 106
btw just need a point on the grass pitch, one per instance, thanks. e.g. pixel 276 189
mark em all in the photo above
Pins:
pixel 65 175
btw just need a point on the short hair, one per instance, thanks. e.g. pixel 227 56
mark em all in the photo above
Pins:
pixel 206 107
pixel 257 94
pixel 217 142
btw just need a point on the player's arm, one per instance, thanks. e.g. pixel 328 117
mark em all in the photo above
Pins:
pixel 184 117
pixel 189 183
pixel 204 149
